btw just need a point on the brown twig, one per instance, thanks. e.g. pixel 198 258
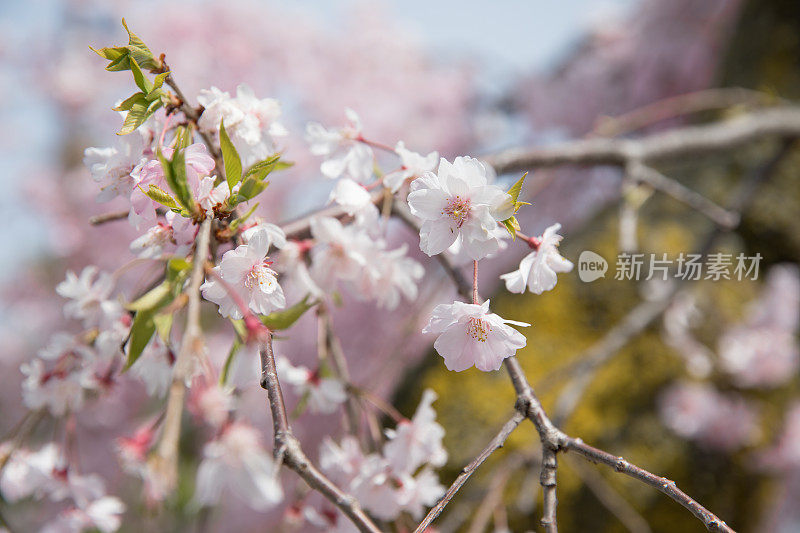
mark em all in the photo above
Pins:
pixel 496 443
pixel 287 447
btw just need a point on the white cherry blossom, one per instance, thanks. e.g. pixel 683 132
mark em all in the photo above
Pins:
pixel 538 270
pixel 236 461
pixel 470 335
pixel 417 441
pixel 414 166
pixel 458 203
pixel 324 394
pixel 112 167
pixel 89 297
pixel 344 153
pixel 246 271
pixel 356 201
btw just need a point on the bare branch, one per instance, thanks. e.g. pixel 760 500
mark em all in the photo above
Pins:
pixel 719 215
pixel 496 443
pixel 783 122
pixel 287 446
pixel 548 482
pixel 668 487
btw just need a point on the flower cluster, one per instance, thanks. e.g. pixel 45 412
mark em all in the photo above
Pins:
pixel 402 478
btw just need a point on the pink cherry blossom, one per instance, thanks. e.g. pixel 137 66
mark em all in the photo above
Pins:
pixel 469 335
pixel 458 203
pixel 323 394
pixel 414 166
pixel 344 153
pixel 537 270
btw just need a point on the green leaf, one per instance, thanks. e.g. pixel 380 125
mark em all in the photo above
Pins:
pixel 175 176
pixel 161 196
pixel 512 226
pixel 129 102
pixel 233 163
pixel 151 299
pixel 140 110
pixel 250 188
pixel 120 56
pixel 178 268
pixel 139 78
pixel 285 319
pixel 226 368
pixel 142 331
pixel 242 219
pixel 517 188
pixel 261 169
pixel 163 324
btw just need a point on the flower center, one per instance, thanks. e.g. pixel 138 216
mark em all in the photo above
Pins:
pixel 478 329
pixel 458 210
pixel 260 276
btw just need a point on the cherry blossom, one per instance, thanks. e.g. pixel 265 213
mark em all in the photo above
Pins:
pixel 111 167
pixel 154 367
pixel 199 164
pixel 61 389
pixel 89 297
pixel 458 203
pixel 417 441
pixel 251 123
pixel 103 514
pixel 236 461
pixel 323 394
pixel 537 270
pixel 276 235
pixel 414 166
pixel 356 202
pixel 470 335
pixel 344 153
pixel 246 271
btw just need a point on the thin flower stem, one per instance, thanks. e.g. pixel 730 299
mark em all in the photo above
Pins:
pixel 377 145
pixel 475 297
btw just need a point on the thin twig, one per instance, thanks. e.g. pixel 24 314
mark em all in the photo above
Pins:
pixel 287 445
pixel 496 443
pixel 494 495
pixel 108 217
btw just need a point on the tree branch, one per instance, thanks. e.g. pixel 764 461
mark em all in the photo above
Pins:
pixel 288 447
pixel 690 141
pixel 496 443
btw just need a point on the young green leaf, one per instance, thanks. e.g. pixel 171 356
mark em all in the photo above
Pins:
pixel 119 56
pixel 161 196
pixel 233 163
pixel 261 169
pixel 142 331
pixel 242 219
pixel 286 318
pixel 250 188
pixel 139 111
pixel 175 176
pixel 226 368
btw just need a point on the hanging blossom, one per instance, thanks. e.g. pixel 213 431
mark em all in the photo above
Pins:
pixel 414 166
pixel 469 335
pixel 357 202
pixel 45 474
pixel 154 367
pixel 251 123
pixel 199 164
pixel 246 271
pixel 349 254
pixel 538 270
pixel 399 479
pixel 342 149
pixel 236 461
pixel 324 394
pixel 458 203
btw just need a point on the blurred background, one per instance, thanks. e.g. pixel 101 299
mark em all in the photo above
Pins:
pixel 679 397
